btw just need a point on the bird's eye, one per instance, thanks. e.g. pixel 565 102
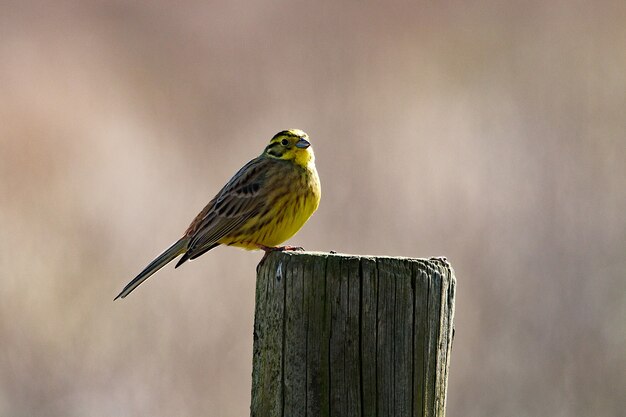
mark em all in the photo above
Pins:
pixel 284 142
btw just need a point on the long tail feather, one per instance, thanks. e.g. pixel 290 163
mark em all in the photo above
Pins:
pixel 161 260
pixel 190 257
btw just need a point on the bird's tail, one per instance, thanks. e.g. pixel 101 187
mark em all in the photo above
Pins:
pixel 161 260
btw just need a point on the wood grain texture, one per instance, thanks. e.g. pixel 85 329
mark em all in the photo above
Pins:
pixel 343 335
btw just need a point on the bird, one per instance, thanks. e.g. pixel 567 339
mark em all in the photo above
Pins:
pixel 265 203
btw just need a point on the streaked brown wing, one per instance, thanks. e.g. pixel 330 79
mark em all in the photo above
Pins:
pixel 240 199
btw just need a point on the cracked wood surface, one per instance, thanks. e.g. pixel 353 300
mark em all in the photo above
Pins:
pixel 342 335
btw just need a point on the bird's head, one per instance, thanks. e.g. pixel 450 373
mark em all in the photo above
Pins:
pixel 292 145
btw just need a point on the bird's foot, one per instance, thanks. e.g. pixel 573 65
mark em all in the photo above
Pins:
pixel 269 249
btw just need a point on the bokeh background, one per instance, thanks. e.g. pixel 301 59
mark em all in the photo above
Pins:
pixel 493 133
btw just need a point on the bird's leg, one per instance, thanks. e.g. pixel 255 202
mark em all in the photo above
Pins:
pixel 294 248
pixel 269 249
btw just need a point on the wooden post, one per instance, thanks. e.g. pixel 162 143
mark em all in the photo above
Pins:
pixel 342 335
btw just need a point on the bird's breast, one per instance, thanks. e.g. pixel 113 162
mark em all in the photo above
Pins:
pixel 291 201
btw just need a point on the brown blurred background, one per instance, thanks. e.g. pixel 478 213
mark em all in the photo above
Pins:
pixel 493 133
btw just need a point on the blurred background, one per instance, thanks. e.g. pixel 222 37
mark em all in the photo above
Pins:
pixel 493 133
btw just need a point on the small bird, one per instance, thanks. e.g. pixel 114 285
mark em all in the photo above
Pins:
pixel 265 203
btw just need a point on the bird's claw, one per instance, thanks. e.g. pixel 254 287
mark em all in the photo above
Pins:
pixel 291 248
pixel 268 249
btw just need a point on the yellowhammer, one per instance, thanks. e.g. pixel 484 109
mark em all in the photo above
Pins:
pixel 264 203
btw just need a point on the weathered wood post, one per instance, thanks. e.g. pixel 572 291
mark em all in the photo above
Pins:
pixel 342 335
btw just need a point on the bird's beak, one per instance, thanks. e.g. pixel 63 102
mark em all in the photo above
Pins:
pixel 302 143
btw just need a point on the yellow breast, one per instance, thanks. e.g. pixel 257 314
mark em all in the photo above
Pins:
pixel 288 211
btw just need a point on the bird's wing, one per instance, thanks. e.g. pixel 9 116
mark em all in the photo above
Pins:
pixel 241 198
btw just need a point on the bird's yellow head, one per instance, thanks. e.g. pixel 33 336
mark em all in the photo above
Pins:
pixel 292 145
